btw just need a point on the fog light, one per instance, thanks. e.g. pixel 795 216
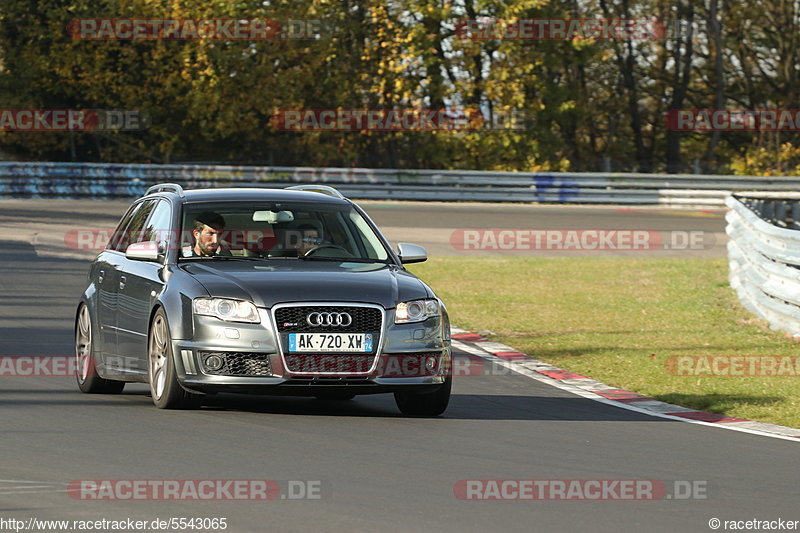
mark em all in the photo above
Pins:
pixel 430 363
pixel 213 362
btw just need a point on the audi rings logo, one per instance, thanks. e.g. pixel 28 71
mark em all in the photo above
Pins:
pixel 329 319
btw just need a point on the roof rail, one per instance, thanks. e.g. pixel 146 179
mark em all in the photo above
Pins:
pixel 166 187
pixel 322 189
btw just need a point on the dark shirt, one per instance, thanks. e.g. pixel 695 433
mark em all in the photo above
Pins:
pixel 219 251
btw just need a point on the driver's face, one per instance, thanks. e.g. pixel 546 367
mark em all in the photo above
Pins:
pixel 310 239
pixel 206 241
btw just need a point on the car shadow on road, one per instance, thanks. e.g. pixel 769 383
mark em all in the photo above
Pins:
pixel 462 407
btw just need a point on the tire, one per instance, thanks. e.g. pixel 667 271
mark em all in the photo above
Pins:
pixel 165 390
pixel 425 403
pixel 89 381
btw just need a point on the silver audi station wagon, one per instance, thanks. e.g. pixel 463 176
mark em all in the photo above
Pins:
pixel 266 291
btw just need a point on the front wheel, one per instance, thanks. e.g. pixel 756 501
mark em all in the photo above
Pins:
pixel 86 372
pixel 165 390
pixel 425 403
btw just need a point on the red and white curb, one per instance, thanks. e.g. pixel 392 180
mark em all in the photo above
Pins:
pixel 515 361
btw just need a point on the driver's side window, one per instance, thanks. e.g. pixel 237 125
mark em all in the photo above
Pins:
pixel 158 226
pixel 132 233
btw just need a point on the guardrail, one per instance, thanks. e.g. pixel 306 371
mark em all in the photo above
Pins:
pixel 764 256
pixel 100 180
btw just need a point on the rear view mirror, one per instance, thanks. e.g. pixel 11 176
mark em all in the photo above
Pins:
pixel 273 217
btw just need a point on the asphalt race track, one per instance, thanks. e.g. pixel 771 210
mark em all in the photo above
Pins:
pixel 371 469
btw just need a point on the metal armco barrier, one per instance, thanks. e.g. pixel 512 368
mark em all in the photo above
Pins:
pixel 764 256
pixel 103 180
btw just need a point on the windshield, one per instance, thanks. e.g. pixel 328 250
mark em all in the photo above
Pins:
pixel 278 230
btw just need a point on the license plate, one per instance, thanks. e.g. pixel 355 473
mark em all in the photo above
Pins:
pixel 330 342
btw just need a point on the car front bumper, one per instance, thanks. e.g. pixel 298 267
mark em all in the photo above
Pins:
pixel 407 356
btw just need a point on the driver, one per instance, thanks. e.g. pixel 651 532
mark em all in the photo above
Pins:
pixel 309 238
pixel 207 227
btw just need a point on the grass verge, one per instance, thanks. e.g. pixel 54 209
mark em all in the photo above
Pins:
pixel 619 320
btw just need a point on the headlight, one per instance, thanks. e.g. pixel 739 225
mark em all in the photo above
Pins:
pixel 225 309
pixel 415 311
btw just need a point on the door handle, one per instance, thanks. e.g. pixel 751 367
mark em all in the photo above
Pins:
pixel 100 276
pixel 122 280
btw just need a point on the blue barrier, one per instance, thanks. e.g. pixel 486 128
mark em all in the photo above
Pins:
pixel 112 180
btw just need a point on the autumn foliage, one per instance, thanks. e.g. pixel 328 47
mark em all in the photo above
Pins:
pixel 581 101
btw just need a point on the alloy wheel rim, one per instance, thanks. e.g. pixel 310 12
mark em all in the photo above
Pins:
pixel 83 344
pixel 158 358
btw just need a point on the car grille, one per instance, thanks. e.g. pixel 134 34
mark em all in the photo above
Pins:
pixel 364 320
pixel 239 364
pixel 293 319
pixel 328 364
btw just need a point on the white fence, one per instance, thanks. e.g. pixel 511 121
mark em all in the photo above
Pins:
pixel 764 256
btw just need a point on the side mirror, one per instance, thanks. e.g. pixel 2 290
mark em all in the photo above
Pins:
pixel 144 251
pixel 411 253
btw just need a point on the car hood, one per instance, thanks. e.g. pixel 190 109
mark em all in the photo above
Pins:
pixel 270 283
